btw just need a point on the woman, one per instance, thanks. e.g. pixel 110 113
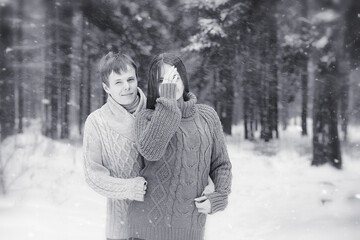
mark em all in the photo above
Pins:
pixel 182 143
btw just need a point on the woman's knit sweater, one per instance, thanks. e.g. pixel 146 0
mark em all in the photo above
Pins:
pixel 112 163
pixel 183 144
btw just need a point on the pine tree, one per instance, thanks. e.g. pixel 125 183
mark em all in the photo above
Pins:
pixel 326 144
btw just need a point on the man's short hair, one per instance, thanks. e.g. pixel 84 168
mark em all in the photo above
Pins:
pixel 117 62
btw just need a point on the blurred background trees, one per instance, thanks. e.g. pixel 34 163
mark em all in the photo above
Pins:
pixel 258 63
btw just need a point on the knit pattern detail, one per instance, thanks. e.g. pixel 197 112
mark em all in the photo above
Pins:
pixel 187 108
pixel 167 233
pixel 112 163
pixel 106 180
pixel 153 139
pixel 179 142
pixel 220 173
pixel 167 90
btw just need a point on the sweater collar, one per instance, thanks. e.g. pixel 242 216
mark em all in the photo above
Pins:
pixel 119 110
pixel 131 108
pixel 187 107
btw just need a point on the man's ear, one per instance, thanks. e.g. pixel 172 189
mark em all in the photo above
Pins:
pixel 106 88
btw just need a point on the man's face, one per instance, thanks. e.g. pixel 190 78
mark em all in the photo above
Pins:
pixel 122 87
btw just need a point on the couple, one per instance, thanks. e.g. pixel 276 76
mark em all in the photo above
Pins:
pixel 161 161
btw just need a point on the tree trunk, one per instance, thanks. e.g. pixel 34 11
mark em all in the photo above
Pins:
pixel 52 70
pixel 83 49
pixel 245 88
pixel 344 104
pixel 263 107
pixel 352 33
pixel 65 37
pixel 273 87
pixel 7 100
pixel 304 94
pixel 326 144
pixel 20 71
pixel 226 99
pixel 88 92
pixel 304 73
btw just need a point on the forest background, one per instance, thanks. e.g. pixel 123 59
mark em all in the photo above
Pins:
pixel 283 76
pixel 258 63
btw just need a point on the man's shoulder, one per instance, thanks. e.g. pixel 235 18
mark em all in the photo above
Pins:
pixel 96 114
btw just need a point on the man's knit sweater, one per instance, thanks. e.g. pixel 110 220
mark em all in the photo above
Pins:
pixel 183 144
pixel 111 161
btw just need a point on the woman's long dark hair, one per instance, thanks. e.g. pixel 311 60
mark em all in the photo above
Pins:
pixel 154 73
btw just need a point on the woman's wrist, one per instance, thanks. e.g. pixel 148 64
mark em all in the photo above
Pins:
pixel 168 90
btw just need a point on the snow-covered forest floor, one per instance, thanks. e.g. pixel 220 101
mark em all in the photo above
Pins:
pixel 276 194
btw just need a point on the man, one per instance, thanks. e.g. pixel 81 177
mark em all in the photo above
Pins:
pixel 111 161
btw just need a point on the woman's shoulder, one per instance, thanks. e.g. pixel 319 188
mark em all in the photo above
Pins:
pixel 207 111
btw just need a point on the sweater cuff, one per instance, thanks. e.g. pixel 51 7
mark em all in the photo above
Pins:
pixel 218 201
pixel 168 90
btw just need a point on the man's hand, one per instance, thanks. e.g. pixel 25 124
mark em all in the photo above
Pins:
pixel 138 189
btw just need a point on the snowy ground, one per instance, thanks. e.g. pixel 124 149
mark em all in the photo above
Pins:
pixel 276 194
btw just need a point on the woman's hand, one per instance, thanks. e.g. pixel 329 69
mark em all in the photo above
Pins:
pixel 203 204
pixel 171 76
pixel 210 188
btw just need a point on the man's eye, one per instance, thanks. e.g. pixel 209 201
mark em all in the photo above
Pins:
pixel 131 79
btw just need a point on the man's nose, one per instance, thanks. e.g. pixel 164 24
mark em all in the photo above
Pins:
pixel 126 85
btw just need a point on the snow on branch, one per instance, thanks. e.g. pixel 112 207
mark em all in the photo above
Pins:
pixel 325 16
pixel 211 27
pixel 204 4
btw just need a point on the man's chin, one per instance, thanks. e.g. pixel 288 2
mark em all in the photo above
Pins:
pixel 127 101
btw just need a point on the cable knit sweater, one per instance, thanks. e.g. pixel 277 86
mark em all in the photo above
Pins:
pixel 183 144
pixel 111 161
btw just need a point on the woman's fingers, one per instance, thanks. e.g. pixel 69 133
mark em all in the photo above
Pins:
pixel 174 75
pixel 171 75
pixel 200 199
pixel 203 204
pixel 167 75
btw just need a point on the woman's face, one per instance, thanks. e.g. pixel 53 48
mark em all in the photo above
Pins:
pixel 179 83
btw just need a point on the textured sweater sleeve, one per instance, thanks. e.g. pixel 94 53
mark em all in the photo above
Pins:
pixel 155 128
pixel 220 167
pixel 98 176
